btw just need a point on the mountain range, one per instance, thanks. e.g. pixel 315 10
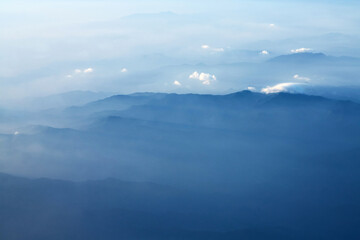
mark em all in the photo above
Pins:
pixel 244 165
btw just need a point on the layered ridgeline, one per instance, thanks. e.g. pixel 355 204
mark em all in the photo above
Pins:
pixel 239 166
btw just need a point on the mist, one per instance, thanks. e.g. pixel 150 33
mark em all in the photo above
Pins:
pixel 47 45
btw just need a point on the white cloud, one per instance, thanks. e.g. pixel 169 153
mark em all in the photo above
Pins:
pixel 16 133
pixel 78 71
pixel 207 47
pixel 206 82
pixel 177 83
pixel 124 70
pixel 298 77
pixel 264 52
pixel 272 25
pixel 194 75
pixel 301 50
pixel 205 78
pixel 252 89
pixel 89 70
pixel 69 76
pixel 283 87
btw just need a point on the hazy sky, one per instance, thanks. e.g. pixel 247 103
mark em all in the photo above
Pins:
pixel 56 46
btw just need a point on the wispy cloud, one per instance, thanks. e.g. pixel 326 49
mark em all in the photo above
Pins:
pixel 298 77
pixel 80 71
pixel 87 70
pixel 301 50
pixel 212 49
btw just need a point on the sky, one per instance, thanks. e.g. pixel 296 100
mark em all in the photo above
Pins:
pixel 50 47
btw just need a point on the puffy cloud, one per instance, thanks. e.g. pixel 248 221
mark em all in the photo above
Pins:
pixel 194 75
pixel 124 70
pixel 301 50
pixel 89 70
pixel 251 89
pixel 298 77
pixel 205 46
pixel 264 52
pixel 284 87
pixel 205 78
pixel 177 83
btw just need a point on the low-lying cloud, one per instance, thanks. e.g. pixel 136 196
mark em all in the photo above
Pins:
pixel 284 87
pixel 301 50
pixel 80 71
pixel 205 78
pixel 89 70
pixel 212 49
pixel 177 83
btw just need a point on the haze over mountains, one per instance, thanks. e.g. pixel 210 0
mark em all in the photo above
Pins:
pixel 307 73
pixel 242 165
pixel 147 47
pixel 173 119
